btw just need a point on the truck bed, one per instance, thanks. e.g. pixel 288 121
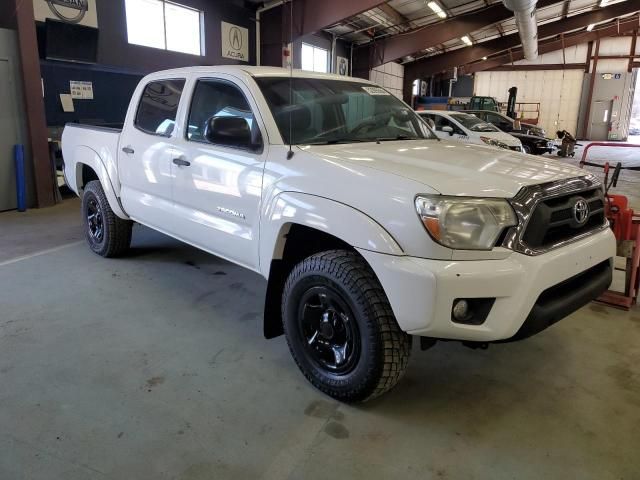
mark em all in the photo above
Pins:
pixel 90 145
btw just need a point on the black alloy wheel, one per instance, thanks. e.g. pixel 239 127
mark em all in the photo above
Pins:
pixel 332 338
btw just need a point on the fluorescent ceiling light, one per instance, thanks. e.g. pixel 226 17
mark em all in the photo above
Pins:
pixel 604 3
pixel 590 27
pixel 467 40
pixel 484 58
pixel 437 9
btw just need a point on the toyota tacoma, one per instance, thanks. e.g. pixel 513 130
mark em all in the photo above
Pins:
pixel 368 228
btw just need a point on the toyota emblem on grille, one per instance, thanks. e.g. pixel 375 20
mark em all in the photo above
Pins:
pixel 580 211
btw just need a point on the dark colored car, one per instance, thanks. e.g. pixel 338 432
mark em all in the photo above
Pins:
pixel 533 138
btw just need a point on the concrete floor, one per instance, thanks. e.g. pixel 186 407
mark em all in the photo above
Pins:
pixel 153 367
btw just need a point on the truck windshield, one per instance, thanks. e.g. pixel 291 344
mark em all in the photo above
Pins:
pixel 323 111
pixel 473 123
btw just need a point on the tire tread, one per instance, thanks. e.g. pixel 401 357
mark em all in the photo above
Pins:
pixel 353 273
pixel 117 232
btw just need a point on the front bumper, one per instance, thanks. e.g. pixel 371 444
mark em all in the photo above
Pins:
pixel 541 148
pixel 422 291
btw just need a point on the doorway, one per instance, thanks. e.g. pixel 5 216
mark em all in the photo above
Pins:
pixel 600 120
pixel 634 122
pixel 9 135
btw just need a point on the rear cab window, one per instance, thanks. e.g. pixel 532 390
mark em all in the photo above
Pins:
pixel 158 107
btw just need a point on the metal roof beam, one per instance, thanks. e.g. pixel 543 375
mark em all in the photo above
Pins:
pixel 625 25
pixel 437 63
pixel 313 15
pixel 398 46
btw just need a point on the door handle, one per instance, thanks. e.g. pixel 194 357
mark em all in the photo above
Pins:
pixel 128 150
pixel 181 162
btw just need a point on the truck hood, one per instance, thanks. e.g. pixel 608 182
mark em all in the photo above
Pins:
pixel 451 168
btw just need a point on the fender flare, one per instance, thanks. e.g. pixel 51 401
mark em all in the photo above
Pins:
pixel 332 217
pixel 84 155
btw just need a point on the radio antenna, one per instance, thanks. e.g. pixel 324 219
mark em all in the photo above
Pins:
pixel 290 152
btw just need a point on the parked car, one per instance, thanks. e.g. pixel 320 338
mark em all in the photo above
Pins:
pixel 533 138
pixel 468 128
pixel 368 229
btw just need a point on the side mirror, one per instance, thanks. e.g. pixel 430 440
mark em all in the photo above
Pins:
pixel 229 131
pixel 447 129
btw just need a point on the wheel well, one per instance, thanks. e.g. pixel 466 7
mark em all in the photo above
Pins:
pixel 87 174
pixel 300 242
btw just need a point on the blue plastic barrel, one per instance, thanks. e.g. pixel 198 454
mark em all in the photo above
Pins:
pixel 20 179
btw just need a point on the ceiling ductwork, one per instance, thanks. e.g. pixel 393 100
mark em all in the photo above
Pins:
pixel 524 12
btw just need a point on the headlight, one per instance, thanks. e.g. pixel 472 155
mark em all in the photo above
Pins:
pixel 465 223
pixel 494 143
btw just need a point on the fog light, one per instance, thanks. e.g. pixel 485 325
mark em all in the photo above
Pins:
pixel 471 311
pixel 461 310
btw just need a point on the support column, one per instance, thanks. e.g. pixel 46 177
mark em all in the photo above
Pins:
pixel 34 103
pixel 632 51
pixel 592 84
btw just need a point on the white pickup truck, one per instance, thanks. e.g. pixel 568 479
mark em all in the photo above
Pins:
pixel 368 228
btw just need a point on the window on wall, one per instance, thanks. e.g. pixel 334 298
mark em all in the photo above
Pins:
pixel 314 59
pixel 165 25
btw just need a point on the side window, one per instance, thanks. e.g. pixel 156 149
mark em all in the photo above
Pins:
pixel 158 107
pixel 499 122
pixel 430 119
pixel 218 98
pixel 442 122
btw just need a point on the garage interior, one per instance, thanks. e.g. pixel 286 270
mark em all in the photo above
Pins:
pixel 154 365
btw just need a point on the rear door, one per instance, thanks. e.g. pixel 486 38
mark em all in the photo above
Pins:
pixel 144 161
pixel 217 187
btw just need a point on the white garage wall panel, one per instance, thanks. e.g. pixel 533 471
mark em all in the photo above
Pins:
pixel 390 76
pixel 558 92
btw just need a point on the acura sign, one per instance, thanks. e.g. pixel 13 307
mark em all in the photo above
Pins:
pixel 235 42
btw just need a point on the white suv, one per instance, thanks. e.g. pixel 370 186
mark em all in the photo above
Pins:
pixel 468 128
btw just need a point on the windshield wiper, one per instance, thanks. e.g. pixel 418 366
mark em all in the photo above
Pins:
pixel 397 137
pixel 335 141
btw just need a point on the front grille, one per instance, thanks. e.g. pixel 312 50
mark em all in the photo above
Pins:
pixel 553 221
pixel 546 217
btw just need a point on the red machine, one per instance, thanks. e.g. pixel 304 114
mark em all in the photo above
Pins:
pixel 625 224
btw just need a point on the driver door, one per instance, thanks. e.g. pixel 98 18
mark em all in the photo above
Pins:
pixel 448 130
pixel 217 187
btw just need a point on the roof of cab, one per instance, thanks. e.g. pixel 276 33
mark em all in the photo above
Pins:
pixel 254 72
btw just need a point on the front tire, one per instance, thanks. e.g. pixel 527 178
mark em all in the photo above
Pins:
pixel 107 234
pixel 527 149
pixel 340 328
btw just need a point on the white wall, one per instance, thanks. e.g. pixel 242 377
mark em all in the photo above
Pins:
pixel 557 91
pixel 390 76
pixel 578 54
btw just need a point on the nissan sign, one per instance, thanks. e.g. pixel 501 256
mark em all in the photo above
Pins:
pixel 81 12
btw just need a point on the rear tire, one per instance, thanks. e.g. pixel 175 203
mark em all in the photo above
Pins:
pixel 107 234
pixel 340 328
